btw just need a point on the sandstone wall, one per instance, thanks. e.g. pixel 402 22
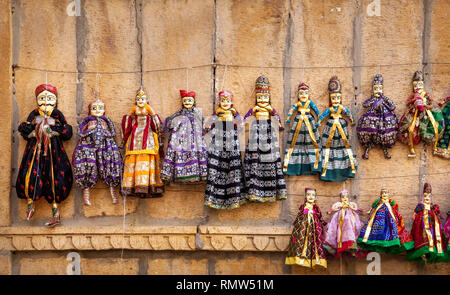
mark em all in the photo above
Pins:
pixel 170 45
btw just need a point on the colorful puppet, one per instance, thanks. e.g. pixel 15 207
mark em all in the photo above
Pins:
pixel 421 121
pixel 96 154
pixel 343 229
pixel 379 125
pixel 430 243
pixel 141 132
pixel 303 154
pixel 45 170
pixel 262 163
pixel 225 183
pixel 338 160
pixel 306 242
pixel 385 230
pixel 442 149
pixel 186 156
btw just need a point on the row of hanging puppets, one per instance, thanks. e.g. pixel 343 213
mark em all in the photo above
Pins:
pixel 144 169
pixel 313 240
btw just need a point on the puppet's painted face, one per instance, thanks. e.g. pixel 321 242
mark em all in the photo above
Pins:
pixel 427 198
pixel 225 102
pixel 262 99
pixel 335 99
pixel 384 194
pixel 188 102
pixel 141 100
pixel 97 109
pixel 377 90
pixel 46 101
pixel 303 95
pixel 311 196
pixel 418 86
pixel 344 197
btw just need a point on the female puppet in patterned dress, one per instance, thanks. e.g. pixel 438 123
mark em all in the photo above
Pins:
pixel 430 243
pixel 141 132
pixel 343 229
pixel 442 149
pixel 421 121
pixel 302 156
pixel 306 241
pixel 186 157
pixel 385 230
pixel 379 125
pixel 45 170
pixel 96 154
pixel 338 160
pixel 262 163
pixel 225 183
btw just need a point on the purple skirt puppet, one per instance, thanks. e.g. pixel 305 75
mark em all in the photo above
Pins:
pixel 97 156
pixel 379 125
pixel 186 157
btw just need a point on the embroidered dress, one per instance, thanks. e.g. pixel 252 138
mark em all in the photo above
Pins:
pixel 447 228
pixel 186 156
pixel 343 230
pixel 142 169
pixel 306 241
pixel 96 154
pixel 430 243
pixel 264 176
pixel 45 170
pixel 303 154
pixel 442 149
pixel 225 182
pixel 338 160
pixel 421 121
pixel 379 125
pixel 385 230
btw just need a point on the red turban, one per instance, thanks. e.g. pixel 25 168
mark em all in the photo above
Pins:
pixel 226 93
pixel 47 87
pixel 303 86
pixel 184 93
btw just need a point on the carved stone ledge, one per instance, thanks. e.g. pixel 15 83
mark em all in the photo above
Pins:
pixel 181 238
pixel 243 238
pixel 101 238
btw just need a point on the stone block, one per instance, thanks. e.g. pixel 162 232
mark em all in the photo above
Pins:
pixel 109 266
pixel 249 265
pixel 102 204
pixel 177 266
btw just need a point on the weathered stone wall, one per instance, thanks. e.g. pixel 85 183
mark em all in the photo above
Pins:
pixel 170 45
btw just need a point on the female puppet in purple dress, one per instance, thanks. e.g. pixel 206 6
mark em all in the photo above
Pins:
pixel 96 154
pixel 186 157
pixel 379 125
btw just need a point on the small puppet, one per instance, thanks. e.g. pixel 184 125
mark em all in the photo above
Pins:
pixel 141 133
pixel 303 154
pixel 264 176
pixel 45 170
pixel 344 227
pixel 430 243
pixel 338 160
pixel 96 154
pixel 385 230
pixel 379 125
pixel 442 149
pixel 186 157
pixel 225 183
pixel 422 121
pixel 306 241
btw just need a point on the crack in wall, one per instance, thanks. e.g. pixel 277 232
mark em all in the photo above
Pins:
pixel 287 72
pixel 426 69
pixel 355 107
pixel 139 27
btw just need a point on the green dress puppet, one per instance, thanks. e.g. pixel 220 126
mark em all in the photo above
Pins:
pixel 442 146
pixel 303 154
pixel 338 161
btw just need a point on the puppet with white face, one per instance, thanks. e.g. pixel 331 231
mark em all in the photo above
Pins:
pixel 96 155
